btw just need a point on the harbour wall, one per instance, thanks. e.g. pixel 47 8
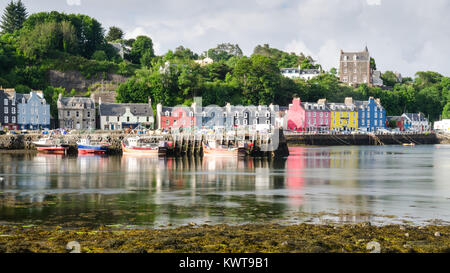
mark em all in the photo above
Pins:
pixel 24 142
pixel 361 139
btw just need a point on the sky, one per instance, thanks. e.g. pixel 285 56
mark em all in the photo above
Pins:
pixel 404 36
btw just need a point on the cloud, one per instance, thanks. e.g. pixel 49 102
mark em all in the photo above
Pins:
pixel 402 35
pixel 73 2
pixel 373 2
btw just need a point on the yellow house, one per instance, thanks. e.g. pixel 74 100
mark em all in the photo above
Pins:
pixel 344 116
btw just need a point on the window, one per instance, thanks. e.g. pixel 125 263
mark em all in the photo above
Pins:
pixel 326 114
pixel 68 113
pixel 5 102
pixel 355 57
pixel 321 114
pixel 89 114
pixel 314 114
pixel 268 115
pixel 6 110
pixel 175 114
pixel 245 122
pixel 345 69
pixel 167 122
pixel 376 115
pixel 355 78
pixel 128 119
pixel 167 113
pixel 13 119
pixel 6 119
pixel 326 122
pixel 107 118
pixel 345 79
pixel 376 122
pixel 362 122
pixel 268 121
pixel 77 114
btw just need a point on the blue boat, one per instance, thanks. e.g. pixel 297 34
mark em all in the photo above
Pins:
pixel 85 146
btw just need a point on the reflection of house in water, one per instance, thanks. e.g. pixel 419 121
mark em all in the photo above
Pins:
pixel 295 181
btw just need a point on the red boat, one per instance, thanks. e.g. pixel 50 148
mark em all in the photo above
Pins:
pixel 53 150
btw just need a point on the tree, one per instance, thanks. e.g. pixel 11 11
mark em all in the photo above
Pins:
pixel 389 78
pixel 446 111
pixel 43 38
pixel 141 45
pixel 114 34
pixel 99 55
pixel 14 16
pixel 373 65
pixel 225 51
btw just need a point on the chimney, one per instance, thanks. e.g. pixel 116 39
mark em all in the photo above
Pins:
pixel 349 101
pixel 150 101
pixel 60 96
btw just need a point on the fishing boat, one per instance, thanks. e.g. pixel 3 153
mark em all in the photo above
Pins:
pixel 51 146
pixel 213 148
pixel 86 146
pixel 144 146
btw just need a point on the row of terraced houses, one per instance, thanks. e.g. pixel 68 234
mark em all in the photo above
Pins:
pixel 323 116
pixel 31 111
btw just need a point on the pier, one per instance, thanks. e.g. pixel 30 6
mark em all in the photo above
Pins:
pixel 271 144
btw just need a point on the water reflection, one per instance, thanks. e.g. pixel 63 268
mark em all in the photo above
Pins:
pixel 350 184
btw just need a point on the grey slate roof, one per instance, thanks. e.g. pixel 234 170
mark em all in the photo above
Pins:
pixel 416 116
pixel 68 101
pixel 118 109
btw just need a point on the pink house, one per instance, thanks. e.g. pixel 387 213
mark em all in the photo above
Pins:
pixel 308 117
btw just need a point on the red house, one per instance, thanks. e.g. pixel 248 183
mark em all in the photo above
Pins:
pixel 308 117
pixel 175 117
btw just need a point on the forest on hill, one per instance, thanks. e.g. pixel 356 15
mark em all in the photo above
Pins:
pixel 33 44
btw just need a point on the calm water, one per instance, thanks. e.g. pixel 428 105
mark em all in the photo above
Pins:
pixel 389 184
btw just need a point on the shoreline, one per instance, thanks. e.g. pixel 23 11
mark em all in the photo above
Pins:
pixel 250 238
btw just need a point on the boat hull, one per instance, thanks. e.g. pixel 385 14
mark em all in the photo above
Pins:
pixel 207 151
pixel 158 151
pixel 53 150
pixel 92 149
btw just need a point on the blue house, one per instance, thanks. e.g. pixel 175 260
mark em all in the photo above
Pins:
pixel 371 115
pixel 33 112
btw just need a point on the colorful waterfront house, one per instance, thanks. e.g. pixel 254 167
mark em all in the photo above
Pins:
pixel 178 117
pixel 308 116
pixel 397 121
pixel 344 116
pixel 371 115
pixel 118 116
pixel 8 112
pixel 416 122
pixel 33 112
pixel 251 116
pixel 318 116
pixel 295 116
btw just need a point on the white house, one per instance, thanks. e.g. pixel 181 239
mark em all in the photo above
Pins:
pixel 119 116
pixel 297 73
pixel 416 122
pixel 442 126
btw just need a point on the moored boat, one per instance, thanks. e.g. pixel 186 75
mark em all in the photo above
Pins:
pixel 51 146
pixel 212 148
pixel 86 146
pixel 143 146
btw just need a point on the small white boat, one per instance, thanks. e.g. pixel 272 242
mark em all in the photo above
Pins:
pixel 143 146
pixel 51 145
